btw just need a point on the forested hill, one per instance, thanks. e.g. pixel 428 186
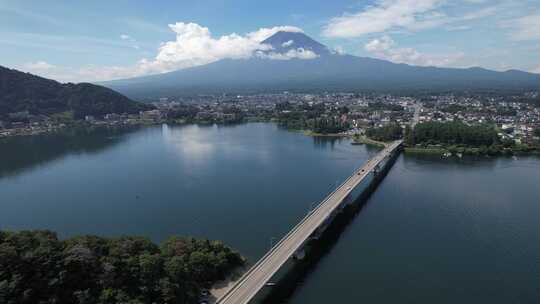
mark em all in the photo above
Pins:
pixel 26 92
pixel 37 267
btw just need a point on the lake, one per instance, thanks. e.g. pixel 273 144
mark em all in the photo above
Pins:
pixel 435 231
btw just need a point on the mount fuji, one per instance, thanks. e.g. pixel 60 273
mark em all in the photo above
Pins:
pixel 297 63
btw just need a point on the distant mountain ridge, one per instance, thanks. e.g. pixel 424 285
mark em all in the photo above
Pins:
pixel 327 72
pixel 21 91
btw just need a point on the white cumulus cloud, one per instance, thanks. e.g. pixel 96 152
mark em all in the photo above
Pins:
pixel 380 17
pixel 287 44
pixel 39 66
pixel 193 45
pixel 524 28
pixel 412 15
pixel 299 53
pixel 264 33
pixel 382 44
pixel 338 50
pixel 386 48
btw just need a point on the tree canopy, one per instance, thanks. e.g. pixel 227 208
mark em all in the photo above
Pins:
pixel 389 132
pixel 37 267
pixel 452 133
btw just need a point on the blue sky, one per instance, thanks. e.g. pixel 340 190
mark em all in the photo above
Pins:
pixel 101 40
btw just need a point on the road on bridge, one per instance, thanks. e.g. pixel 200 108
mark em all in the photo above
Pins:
pixel 255 278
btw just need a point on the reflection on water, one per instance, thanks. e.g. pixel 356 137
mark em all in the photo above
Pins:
pixel 190 144
pixel 22 153
pixel 327 141
pixel 419 162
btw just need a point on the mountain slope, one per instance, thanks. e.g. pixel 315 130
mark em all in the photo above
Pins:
pixel 26 92
pixel 327 72
pixel 282 42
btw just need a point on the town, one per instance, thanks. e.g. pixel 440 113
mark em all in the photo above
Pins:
pixel 341 114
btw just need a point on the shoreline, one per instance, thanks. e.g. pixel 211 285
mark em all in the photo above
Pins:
pixel 364 140
pixel 472 151
pixel 315 134
pixel 432 151
pixel 79 124
pixel 445 151
pixel 220 288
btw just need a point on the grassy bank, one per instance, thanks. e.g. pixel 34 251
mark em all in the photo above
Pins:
pixel 437 151
pixel 472 151
pixel 368 141
pixel 311 133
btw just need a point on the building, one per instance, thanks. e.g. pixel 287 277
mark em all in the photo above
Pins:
pixel 150 115
pixel 112 117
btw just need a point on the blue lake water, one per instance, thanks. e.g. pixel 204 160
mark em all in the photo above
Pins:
pixel 435 231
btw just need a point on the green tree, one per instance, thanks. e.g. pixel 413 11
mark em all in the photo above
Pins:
pixel 37 267
pixel 389 132
pixel 452 133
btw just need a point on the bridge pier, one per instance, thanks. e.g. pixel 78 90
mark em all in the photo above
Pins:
pixel 376 170
pixel 300 254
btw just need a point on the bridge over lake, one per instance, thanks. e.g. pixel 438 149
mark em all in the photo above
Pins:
pixel 243 290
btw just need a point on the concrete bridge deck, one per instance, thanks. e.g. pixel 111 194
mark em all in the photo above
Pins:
pixel 255 278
